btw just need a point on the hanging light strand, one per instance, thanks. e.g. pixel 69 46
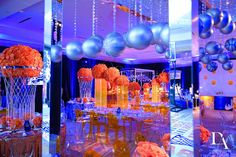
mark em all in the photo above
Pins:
pixel 151 10
pixel 75 20
pixel 141 11
pixel 129 20
pixel 135 11
pixel 114 16
pixel 94 16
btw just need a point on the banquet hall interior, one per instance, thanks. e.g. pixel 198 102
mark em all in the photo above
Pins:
pixel 122 78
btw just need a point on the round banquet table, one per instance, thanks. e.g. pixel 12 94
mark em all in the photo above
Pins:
pixel 20 143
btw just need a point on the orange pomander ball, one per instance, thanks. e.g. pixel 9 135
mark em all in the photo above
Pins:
pixel 146 85
pixel 134 86
pixel 20 55
pixel 16 123
pixel 98 70
pixel 37 121
pixel 85 74
pixel 122 80
pixel 164 77
pixel 204 134
pixel 5 120
pixel 111 74
pixel 155 81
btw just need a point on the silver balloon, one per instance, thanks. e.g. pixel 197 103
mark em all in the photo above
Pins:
pixel 156 31
pixel 114 44
pixel 234 52
pixel 56 53
pixel 139 37
pixel 226 19
pixel 206 23
pixel 92 46
pixel 206 34
pixel 202 52
pixel 74 50
pixel 212 66
pixel 230 44
pixel 222 58
pixel 228 29
pixel 165 35
pixel 160 49
pixel 213 47
pixel 228 65
pixel 206 59
pixel 126 42
pixel 216 14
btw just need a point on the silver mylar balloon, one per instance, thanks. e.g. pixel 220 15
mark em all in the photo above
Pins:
pixel 230 44
pixel 228 65
pixel 139 37
pixel 156 31
pixel 74 50
pixel 160 49
pixel 206 23
pixel 216 14
pixel 213 47
pixel 114 44
pixel 126 42
pixel 202 52
pixel 226 19
pixel 56 53
pixel 228 29
pixel 234 52
pixel 206 35
pixel 92 46
pixel 206 59
pixel 212 66
pixel 165 35
pixel 223 58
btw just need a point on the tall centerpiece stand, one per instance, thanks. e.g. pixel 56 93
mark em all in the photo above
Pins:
pixel 122 83
pixel 18 65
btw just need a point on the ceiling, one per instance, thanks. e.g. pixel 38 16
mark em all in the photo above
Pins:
pixel 24 24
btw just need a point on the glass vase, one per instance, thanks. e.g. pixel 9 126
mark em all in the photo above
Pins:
pixel 112 97
pixel 100 92
pixel 20 97
pixel 122 97
pixel 85 89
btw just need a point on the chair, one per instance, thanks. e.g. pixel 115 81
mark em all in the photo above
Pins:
pixel 121 149
pixel 139 137
pixel 94 121
pixel 113 124
pixel 91 153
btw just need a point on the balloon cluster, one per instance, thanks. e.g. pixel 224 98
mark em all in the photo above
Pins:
pixel 217 18
pixel 139 37
pixel 214 48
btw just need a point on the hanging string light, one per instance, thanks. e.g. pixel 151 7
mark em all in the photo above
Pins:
pixel 94 16
pixel 135 11
pixel 141 11
pixel 151 11
pixel 75 20
pixel 114 16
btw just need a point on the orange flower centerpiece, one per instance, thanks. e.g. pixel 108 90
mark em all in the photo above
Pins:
pixel 110 76
pixel 100 85
pixel 18 65
pixel 155 90
pixel 149 149
pixel 166 141
pixel 122 83
pixel 204 134
pixel 4 121
pixel 85 78
pixel 164 79
pixel 134 89
pixel 37 121
pixel 16 124
pixel 146 90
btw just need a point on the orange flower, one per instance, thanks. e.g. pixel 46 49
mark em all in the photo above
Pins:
pixel 37 121
pixel 146 85
pixel 134 86
pixel 98 70
pixel 85 74
pixel 20 55
pixel 164 77
pixel 16 123
pixel 122 80
pixel 111 74
pixel 85 100
pixel 165 137
pixel 204 134
pixel 155 81
pixel 5 120
pixel 27 116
